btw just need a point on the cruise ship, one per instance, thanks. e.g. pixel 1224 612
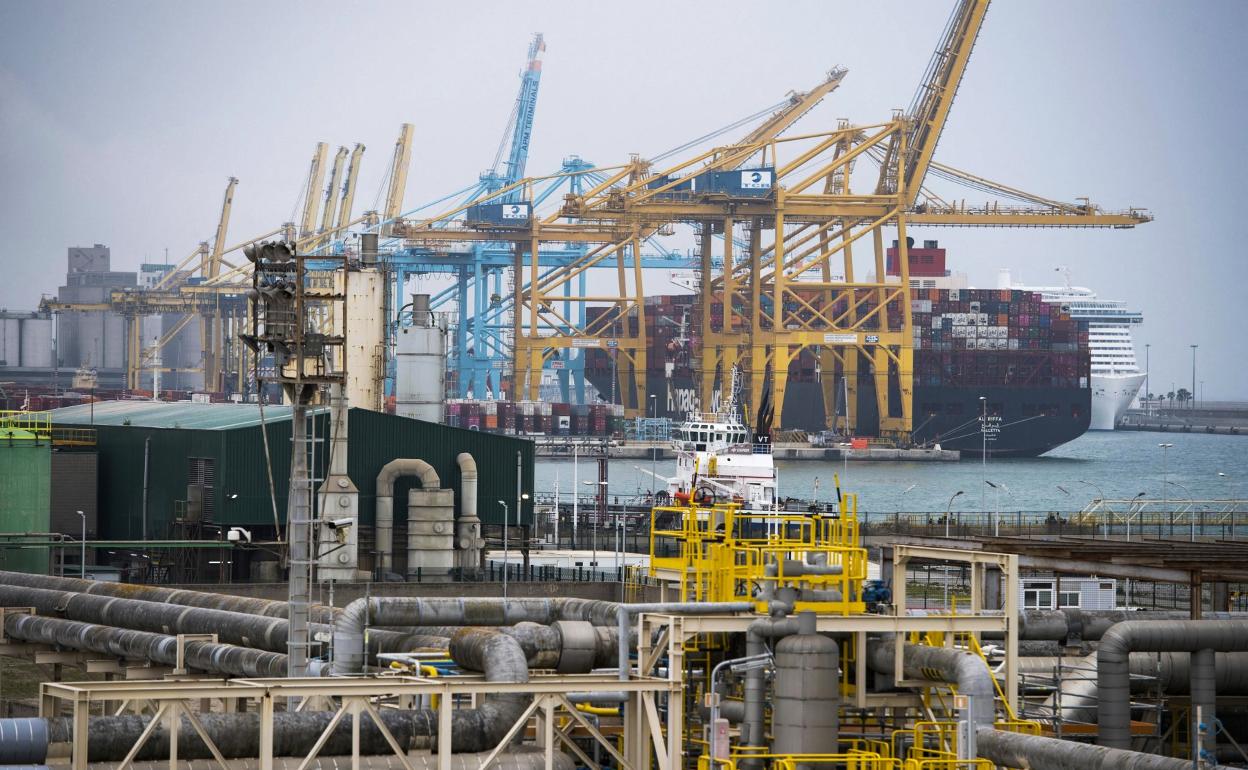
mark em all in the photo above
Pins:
pixel 1116 376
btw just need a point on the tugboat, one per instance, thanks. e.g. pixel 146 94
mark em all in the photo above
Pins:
pixel 719 460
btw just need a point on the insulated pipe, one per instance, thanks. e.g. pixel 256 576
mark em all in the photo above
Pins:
pixel 625 611
pixel 1204 698
pixel 239 628
pixel 921 661
pixel 385 502
pixel 499 656
pixel 140 645
pixel 425 612
pixel 1171 671
pixel 231 627
pixel 1036 752
pixel 523 758
pixel 249 605
pixel 756 636
pixel 468 526
pixel 1113 663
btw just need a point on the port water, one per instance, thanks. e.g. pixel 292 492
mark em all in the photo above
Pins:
pixel 1115 465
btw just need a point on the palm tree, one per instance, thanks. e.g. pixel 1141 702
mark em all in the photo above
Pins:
pixel 1183 396
pixel 1170 398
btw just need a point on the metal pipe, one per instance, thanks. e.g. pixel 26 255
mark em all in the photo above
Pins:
pixel 959 667
pixel 520 758
pixel 468 526
pixel 385 502
pixel 348 631
pixel 140 645
pixel 147 449
pixel 1204 699
pixel 625 611
pixel 1113 663
pixel 239 628
pixel 756 635
pixel 499 656
pixel 1037 752
pixel 245 604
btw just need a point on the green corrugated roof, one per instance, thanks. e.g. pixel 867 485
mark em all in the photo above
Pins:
pixel 175 414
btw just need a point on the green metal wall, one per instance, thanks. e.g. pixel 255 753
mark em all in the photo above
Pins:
pixel 242 485
pixel 25 501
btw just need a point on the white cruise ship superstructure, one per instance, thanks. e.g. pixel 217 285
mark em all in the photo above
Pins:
pixel 1116 375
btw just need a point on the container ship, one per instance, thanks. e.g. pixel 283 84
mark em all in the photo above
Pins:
pixel 1028 359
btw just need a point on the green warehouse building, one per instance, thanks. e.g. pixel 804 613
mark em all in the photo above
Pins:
pixel 190 472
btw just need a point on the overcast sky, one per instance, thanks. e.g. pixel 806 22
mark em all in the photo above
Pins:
pixel 121 121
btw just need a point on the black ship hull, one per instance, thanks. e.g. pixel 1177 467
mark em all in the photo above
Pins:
pixel 1022 421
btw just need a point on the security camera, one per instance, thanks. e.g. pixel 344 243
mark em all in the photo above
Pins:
pixel 336 524
pixel 238 535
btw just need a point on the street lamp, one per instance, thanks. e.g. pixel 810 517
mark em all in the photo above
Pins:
pixel 996 517
pixel 654 419
pixel 506 557
pixel 948 508
pixel 1129 507
pixel 82 571
pixel 983 434
pixel 593 531
pixel 1165 502
pixel 1192 397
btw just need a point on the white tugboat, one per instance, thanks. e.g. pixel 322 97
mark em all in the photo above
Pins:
pixel 718 458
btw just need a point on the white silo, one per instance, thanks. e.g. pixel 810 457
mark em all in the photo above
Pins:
pixel 420 363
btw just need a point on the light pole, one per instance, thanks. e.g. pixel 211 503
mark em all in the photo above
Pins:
pixel 1192 399
pixel 576 491
pixel 593 531
pixel 948 508
pixel 1191 513
pixel 996 516
pixel 1129 507
pixel 506 557
pixel 1148 394
pixel 1165 502
pixel 82 570
pixel 654 419
pixel 983 434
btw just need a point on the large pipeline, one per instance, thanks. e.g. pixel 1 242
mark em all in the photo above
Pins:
pixel 245 604
pixel 1032 752
pixel 140 645
pixel 428 613
pixel 247 630
pixel 1036 752
pixel 384 529
pixel 499 656
pixel 522 758
pixel 1113 664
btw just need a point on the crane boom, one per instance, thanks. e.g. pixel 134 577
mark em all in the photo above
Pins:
pixel 213 268
pixel 398 174
pixel 799 104
pixel 930 107
pixel 335 176
pixel 348 187
pixel 526 108
pixel 316 174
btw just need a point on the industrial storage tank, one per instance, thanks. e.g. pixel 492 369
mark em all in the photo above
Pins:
pixel 36 342
pixel 10 341
pixel 420 363
pixel 807 693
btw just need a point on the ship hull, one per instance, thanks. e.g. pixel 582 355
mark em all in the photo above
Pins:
pixel 1111 395
pixel 1023 422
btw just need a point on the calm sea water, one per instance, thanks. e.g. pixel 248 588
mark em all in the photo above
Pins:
pixel 1120 464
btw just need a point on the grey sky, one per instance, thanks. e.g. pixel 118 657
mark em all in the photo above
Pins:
pixel 119 122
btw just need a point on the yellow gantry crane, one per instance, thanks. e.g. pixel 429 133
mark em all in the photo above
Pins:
pixel 792 202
